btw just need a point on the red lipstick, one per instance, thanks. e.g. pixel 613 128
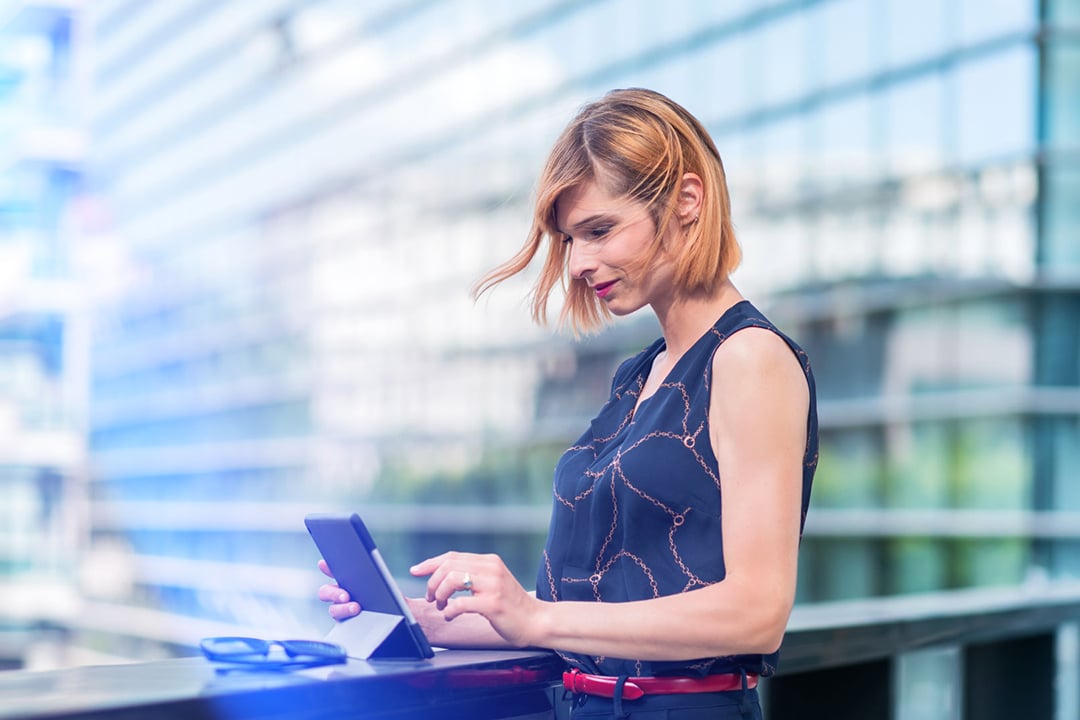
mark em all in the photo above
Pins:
pixel 603 288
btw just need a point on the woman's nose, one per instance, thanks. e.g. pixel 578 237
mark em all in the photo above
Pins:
pixel 580 263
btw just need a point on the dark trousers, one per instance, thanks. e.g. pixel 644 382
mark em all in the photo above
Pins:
pixel 733 705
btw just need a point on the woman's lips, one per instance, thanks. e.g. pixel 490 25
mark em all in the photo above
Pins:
pixel 603 288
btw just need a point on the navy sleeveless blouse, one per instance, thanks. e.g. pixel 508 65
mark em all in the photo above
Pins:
pixel 636 512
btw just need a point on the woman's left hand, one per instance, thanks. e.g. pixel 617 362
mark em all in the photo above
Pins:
pixel 489 589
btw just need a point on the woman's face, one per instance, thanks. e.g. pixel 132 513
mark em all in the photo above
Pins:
pixel 607 237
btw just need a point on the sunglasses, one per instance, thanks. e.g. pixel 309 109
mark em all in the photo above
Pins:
pixel 256 654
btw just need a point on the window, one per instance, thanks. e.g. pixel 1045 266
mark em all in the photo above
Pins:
pixel 844 141
pixel 995 106
pixel 725 66
pixel 847 41
pixel 984 19
pixel 915 125
pixel 784 56
pixel 1060 190
pixel 915 30
pixel 1062 95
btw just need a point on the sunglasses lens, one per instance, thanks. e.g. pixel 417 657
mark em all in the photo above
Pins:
pixel 254 653
pixel 234 647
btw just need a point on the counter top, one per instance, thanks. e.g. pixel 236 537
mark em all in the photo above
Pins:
pixel 460 683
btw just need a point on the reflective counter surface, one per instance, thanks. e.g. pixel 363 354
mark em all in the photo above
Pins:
pixel 458 683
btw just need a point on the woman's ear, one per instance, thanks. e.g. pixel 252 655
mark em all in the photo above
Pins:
pixel 690 198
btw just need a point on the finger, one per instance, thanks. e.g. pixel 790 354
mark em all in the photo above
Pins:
pixel 437 590
pixel 325 568
pixel 344 611
pixel 333 594
pixel 426 567
pixel 461 605
pixel 437 569
pixel 452 583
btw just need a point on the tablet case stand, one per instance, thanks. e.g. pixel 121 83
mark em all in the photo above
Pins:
pixel 374 635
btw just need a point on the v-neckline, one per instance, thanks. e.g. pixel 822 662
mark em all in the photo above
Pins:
pixel 662 348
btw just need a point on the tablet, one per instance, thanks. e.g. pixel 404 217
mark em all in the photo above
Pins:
pixel 390 630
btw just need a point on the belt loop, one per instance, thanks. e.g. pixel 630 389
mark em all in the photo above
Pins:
pixel 578 699
pixel 745 709
pixel 617 698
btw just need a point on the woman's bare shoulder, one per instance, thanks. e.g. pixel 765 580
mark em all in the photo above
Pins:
pixel 757 365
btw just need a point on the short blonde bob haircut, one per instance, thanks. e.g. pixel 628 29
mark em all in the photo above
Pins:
pixel 641 144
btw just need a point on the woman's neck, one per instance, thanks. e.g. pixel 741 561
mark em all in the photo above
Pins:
pixel 686 319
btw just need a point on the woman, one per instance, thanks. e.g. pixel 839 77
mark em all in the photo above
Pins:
pixel 670 566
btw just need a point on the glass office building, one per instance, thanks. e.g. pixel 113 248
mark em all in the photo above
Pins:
pixel 300 194
pixel 43 329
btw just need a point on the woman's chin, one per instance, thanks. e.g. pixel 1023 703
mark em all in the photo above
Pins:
pixel 619 310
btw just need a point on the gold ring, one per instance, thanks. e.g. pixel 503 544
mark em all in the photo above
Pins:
pixel 467 583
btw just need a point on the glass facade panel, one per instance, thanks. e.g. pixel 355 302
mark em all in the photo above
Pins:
pixel 918 565
pixel 726 64
pixel 1002 87
pixel 1066 459
pixel 1065 559
pixel 1060 236
pixel 783 159
pixel 916 125
pixel 1063 11
pixel 959 346
pixel 1063 96
pixel 989 462
pixel 784 76
pixel 929 684
pixel 982 563
pixel 847 569
pixel 916 30
pixel 849 37
pixel 845 244
pixel 844 141
pixel 668 78
pixel 919 472
pixel 624 31
pixel 981 20
pixel 849 471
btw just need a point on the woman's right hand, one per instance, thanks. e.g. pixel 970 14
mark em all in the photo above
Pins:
pixel 341 606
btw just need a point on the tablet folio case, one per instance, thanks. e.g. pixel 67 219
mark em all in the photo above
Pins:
pixel 382 629
pixel 374 635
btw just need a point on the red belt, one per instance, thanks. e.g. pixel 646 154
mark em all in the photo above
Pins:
pixel 604 685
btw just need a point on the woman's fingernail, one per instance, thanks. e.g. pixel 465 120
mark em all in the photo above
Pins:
pixel 342 597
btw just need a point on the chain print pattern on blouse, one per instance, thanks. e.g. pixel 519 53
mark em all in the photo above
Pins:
pixel 627 494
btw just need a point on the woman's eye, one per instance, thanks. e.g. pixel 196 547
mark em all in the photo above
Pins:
pixel 599 232
pixel 567 239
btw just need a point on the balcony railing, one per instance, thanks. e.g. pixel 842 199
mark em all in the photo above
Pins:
pixel 977 654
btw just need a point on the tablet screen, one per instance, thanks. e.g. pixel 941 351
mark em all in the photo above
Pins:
pixel 353 558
